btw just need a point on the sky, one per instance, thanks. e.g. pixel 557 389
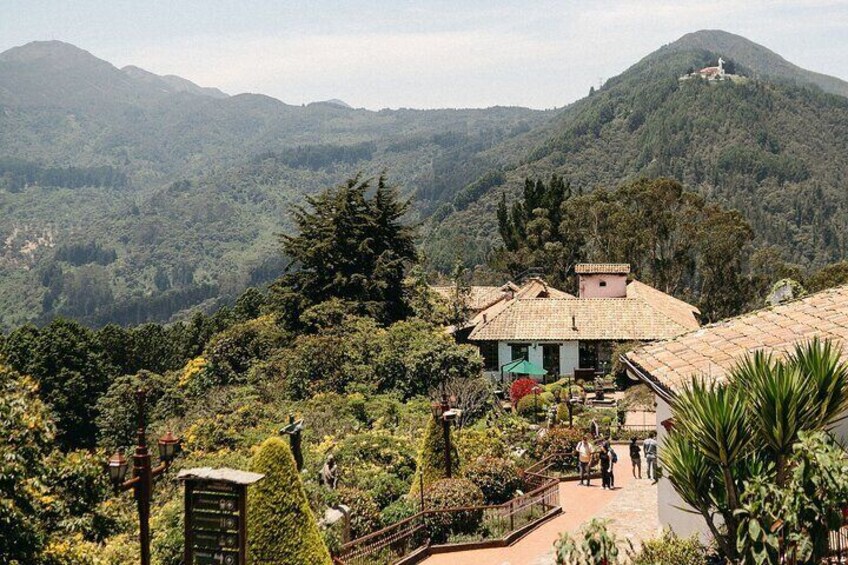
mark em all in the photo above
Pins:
pixel 427 54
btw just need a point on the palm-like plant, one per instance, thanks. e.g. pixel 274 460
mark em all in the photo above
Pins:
pixel 728 433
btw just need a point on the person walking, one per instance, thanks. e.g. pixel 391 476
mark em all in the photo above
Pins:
pixel 636 458
pixel 584 451
pixel 613 456
pixel 650 448
pixel 605 461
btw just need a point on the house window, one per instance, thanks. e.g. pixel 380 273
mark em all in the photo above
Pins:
pixel 605 356
pixel 588 354
pixel 550 358
pixel 602 283
pixel 596 355
pixel 489 352
pixel 520 351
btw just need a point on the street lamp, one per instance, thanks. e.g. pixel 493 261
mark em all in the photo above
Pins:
pixel 143 473
pixel 442 411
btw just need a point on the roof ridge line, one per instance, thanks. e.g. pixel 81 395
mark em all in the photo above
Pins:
pixel 724 321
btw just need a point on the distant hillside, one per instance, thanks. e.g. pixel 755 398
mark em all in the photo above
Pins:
pixel 771 147
pixel 171 83
pixel 765 63
pixel 184 189
pixel 127 196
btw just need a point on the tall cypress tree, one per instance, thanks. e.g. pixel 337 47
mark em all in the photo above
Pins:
pixel 350 244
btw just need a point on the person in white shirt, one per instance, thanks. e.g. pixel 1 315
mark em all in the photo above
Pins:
pixel 650 448
pixel 584 451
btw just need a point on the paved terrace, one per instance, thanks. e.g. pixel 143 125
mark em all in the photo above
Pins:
pixel 631 509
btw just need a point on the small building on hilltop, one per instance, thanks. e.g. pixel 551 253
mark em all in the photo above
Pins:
pixel 712 351
pixel 561 332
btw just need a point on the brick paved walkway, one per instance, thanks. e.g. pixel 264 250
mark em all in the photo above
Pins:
pixel 631 509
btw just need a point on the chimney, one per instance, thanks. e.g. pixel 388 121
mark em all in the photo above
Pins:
pixel 573 323
pixel 602 280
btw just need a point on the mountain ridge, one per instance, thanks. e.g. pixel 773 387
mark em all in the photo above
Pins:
pixel 184 194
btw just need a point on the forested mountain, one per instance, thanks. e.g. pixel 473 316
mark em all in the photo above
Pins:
pixel 769 143
pixel 127 196
pixel 185 188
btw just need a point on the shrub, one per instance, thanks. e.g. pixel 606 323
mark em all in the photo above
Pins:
pixel 669 549
pixel 364 512
pixel 521 388
pixel 555 389
pixel 560 439
pixel 231 353
pixel 496 477
pixel 385 488
pixel 71 550
pixel 475 442
pixel 79 488
pixel 388 453
pixel 531 404
pixel 453 493
pixel 278 504
pixel 598 547
pixel 398 510
pixel 431 458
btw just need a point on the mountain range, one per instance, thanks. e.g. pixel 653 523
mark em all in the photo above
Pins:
pixel 126 196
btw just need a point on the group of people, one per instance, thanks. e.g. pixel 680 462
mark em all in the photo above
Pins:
pixel 606 457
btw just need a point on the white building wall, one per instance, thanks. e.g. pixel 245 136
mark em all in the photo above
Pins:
pixel 535 353
pixel 569 354
pixel 670 514
pixel 504 353
pixel 569 358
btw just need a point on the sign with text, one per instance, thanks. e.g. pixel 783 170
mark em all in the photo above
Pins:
pixel 216 516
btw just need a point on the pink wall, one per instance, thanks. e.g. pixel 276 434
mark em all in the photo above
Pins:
pixel 592 286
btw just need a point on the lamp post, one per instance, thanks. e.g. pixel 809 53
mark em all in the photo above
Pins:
pixel 570 405
pixel 143 473
pixel 442 411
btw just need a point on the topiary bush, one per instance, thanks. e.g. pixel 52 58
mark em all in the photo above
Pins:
pixel 452 493
pixel 555 389
pixel 431 457
pixel 497 478
pixel 669 549
pixel 533 403
pixel 283 530
pixel 522 387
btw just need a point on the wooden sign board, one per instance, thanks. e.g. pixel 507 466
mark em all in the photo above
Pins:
pixel 216 516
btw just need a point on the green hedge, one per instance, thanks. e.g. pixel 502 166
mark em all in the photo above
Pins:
pixel 282 528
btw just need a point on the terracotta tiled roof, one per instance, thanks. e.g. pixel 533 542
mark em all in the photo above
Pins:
pixel 646 314
pixel 481 296
pixel 713 350
pixel 602 268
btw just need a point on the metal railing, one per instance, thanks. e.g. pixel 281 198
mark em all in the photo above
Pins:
pixel 417 533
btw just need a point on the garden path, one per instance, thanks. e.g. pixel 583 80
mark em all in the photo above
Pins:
pixel 631 510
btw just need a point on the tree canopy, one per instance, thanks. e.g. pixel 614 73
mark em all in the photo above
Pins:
pixel 350 244
pixel 674 239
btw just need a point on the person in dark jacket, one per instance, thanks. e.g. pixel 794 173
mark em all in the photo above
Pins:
pixel 605 460
pixel 636 458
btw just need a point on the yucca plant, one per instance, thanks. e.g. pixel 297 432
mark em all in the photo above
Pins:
pixel 741 434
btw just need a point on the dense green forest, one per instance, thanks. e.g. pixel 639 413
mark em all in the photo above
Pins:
pixel 766 146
